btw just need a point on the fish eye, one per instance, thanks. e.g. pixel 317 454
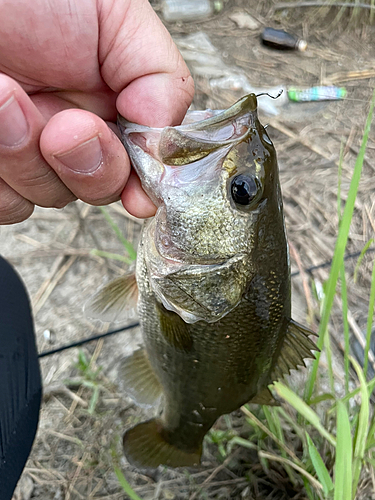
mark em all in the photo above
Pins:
pixel 244 188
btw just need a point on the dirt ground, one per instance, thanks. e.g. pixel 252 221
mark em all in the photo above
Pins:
pixel 73 454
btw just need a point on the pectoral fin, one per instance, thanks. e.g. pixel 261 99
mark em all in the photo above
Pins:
pixel 139 379
pixel 295 348
pixel 174 329
pixel 115 301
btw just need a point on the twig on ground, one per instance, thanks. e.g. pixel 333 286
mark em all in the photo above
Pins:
pixel 314 3
pixel 214 473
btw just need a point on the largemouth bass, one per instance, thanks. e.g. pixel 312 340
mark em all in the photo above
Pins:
pixel 212 280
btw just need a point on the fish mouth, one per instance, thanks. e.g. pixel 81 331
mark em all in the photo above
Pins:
pixel 163 157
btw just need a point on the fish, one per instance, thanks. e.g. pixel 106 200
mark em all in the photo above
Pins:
pixel 211 282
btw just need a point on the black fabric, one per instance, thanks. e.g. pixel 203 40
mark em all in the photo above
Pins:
pixel 20 382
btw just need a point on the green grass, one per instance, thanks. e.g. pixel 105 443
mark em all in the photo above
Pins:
pixel 88 378
pixel 338 256
pixel 129 249
pixel 125 485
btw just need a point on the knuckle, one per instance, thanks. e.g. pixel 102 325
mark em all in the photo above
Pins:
pixel 14 209
pixel 61 203
pixel 34 173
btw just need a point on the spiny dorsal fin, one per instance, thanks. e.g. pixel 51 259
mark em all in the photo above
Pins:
pixel 145 446
pixel 115 301
pixel 174 329
pixel 264 397
pixel 295 348
pixel 139 379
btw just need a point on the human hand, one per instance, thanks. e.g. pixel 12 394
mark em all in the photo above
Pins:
pixel 66 68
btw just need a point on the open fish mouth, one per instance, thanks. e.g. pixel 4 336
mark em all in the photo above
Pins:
pixel 176 156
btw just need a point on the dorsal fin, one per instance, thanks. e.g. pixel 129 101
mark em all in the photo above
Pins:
pixel 115 301
pixel 295 348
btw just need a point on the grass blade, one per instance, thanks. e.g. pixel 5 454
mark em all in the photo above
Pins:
pixel 369 319
pixel 328 351
pixel 284 392
pixel 109 255
pixel 343 463
pixel 361 433
pixel 339 250
pixel 360 258
pixel 245 443
pixel 319 466
pixel 261 426
pixel 344 295
pixel 344 300
pixel 339 175
pixel 127 245
pixel 352 394
pixel 286 461
pixel 125 485
pixel 274 424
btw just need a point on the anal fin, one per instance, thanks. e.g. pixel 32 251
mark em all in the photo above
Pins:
pixel 146 446
pixel 264 397
pixel 139 379
pixel 296 347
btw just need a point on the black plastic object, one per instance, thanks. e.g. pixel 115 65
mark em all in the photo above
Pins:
pixel 281 40
pixel 20 382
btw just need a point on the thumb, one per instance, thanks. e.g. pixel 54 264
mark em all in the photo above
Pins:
pixel 140 61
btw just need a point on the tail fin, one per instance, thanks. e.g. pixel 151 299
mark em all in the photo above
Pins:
pixel 145 446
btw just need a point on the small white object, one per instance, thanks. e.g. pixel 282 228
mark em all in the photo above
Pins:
pixel 49 336
pixel 186 10
pixel 244 20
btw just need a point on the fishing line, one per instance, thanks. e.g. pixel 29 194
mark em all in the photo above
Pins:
pixel 329 262
pixel 87 339
pixel 271 96
pixel 134 325
pixel 321 94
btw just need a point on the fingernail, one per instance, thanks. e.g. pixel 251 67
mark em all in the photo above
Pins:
pixel 85 158
pixel 13 124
